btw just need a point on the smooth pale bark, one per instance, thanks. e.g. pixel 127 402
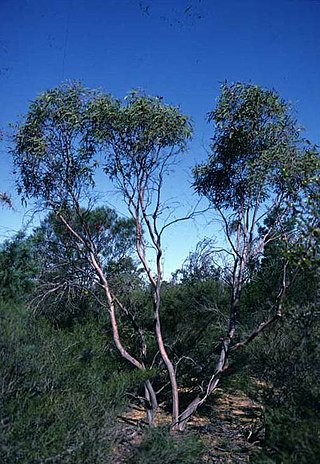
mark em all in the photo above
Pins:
pixel 212 385
pixel 170 369
pixel 227 348
pixel 156 282
pixel 150 395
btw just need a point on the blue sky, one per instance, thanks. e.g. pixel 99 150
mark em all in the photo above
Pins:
pixel 179 49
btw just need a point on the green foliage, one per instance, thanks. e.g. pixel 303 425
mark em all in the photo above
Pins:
pixel 111 235
pixel 5 199
pixel 141 139
pixel 199 265
pixel 54 148
pixel 291 438
pixel 191 310
pixel 67 288
pixel 302 274
pixel 160 445
pixel 61 391
pixel 18 268
pixel 288 363
pixel 56 143
pixel 292 358
pixel 259 178
pixel 137 133
pixel 257 151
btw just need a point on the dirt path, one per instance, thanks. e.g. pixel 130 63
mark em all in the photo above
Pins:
pixel 232 429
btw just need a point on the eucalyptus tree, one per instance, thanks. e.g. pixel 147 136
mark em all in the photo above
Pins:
pixel 142 140
pixel 55 158
pixel 256 179
pixel 54 153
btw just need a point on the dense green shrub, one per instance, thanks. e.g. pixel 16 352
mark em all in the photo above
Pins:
pixel 161 446
pixel 288 362
pixel 292 436
pixel 194 314
pixel 61 390
pixel 18 268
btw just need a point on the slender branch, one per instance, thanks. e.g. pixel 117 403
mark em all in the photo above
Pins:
pixel 181 219
pixel 228 232
pixel 265 324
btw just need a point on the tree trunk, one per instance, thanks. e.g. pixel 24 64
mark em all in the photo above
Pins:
pixel 152 403
pixel 212 385
pixel 169 366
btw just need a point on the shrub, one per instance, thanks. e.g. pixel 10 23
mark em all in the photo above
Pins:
pixel 288 360
pixel 61 391
pixel 161 446
pixel 291 437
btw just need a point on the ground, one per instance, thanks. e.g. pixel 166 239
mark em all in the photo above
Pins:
pixel 232 429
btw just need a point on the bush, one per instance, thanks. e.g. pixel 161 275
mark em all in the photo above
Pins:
pixel 161 446
pixel 288 361
pixel 61 391
pixel 291 437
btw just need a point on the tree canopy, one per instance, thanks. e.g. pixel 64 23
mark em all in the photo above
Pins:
pixel 54 147
pixel 257 150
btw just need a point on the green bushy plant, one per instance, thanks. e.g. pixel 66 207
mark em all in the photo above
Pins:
pixel 61 390
pixel 288 362
pixel 292 437
pixel 159 445
pixel 18 268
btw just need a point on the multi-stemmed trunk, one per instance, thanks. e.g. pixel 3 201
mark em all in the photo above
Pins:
pixel 151 403
pixel 222 363
pixel 167 361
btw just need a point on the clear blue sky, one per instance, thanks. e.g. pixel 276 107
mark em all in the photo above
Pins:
pixel 180 49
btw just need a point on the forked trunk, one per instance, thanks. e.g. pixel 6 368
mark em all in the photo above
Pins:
pixel 151 403
pixel 170 369
pixel 150 395
pixel 212 385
